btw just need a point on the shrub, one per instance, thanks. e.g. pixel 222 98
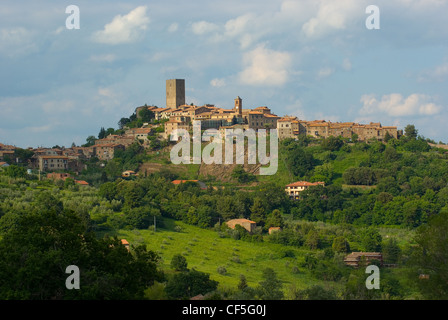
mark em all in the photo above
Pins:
pixel 222 270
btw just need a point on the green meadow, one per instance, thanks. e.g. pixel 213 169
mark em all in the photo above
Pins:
pixel 205 250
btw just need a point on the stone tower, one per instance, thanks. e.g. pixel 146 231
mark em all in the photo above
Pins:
pixel 239 106
pixel 175 93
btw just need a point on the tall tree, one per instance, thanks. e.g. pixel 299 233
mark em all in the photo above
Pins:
pixel 270 288
pixel 35 252
pixel 410 131
pixel 102 133
pixel 431 258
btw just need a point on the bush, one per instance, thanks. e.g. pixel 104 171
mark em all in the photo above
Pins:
pixel 222 270
pixel 179 263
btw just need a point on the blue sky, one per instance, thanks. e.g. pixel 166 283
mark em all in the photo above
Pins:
pixel 314 59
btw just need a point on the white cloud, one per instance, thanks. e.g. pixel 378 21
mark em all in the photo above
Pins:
pixel 218 82
pixel 396 105
pixel 203 27
pixel 333 15
pixel 124 29
pixel 265 67
pixel 17 42
pixel 437 74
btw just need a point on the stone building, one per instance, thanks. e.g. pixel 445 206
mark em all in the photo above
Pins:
pixel 245 223
pixel 291 127
pixel 354 258
pixel 175 93
pixel 107 151
pixel 50 163
pixel 294 189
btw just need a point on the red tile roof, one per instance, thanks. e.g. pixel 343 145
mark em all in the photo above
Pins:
pixel 305 184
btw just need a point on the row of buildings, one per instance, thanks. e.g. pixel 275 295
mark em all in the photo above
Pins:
pixel 292 127
pixel 60 159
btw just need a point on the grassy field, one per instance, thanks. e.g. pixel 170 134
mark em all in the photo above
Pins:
pixel 205 251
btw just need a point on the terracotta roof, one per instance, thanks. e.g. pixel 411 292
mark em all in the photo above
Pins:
pixel 124 241
pixel 241 220
pixel 182 181
pixel 53 157
pixel 318 124
pixel 82 182
pixel 287 119
pixel 305 184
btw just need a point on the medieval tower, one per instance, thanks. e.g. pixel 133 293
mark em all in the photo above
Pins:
pixel 175 93
pixel 239 106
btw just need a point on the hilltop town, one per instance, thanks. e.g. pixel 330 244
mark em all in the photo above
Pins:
pixel 178 115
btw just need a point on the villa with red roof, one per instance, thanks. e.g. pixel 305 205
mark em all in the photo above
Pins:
pixel 294 189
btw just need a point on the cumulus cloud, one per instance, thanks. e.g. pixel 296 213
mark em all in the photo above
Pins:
pixel 203 27
pixel 396 105
pixel 218 82
pixel 265 67
pixel 333 15
pixel 17 41
pixel 124 29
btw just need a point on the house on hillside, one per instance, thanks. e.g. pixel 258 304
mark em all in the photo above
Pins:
pixel 294 189
pixel 245 223
pixel 125 243
pixel 82 182
pixel 128 174
pixel 274 229
pixel 354 258
pixel 47 163
pixel 58 175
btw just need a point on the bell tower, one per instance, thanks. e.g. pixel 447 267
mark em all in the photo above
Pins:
pixel 239 106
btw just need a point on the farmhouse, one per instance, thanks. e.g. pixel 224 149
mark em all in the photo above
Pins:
pixel 245 223
pixel 354 258
pixel 274 229
pixel 293 189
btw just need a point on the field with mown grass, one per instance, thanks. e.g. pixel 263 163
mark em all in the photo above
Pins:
pixel 205 251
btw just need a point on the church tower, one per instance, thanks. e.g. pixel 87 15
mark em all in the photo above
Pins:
pixel 239 106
